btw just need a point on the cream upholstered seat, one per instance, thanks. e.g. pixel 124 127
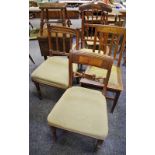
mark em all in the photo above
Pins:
pixel 115 80
pixel 82 111
pixel 53 72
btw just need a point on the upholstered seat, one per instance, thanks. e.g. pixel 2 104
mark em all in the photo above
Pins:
pixel 115 80
pixel 82 111
pixel 53 72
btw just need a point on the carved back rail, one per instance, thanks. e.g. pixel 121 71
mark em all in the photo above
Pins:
pixel 91 59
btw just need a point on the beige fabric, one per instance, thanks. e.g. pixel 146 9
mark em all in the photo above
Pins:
pixel 54 72
pixel 115 80
pixel 81 110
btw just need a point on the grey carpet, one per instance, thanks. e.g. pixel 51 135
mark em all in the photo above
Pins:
pixel 40 137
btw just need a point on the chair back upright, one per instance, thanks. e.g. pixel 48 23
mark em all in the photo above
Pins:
pixel 90 59
pixel 93 13
pixel 61 40
pixel 110 40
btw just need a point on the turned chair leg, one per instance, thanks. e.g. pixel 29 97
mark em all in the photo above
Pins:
pixel 54 136
pixel 115 101
pixel 38 90
pixel 98 145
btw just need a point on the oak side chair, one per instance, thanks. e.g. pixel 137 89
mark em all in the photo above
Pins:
pixel 61 18
pixel 108 38
pixel 54 71
pixel 82 110
pixel 92 13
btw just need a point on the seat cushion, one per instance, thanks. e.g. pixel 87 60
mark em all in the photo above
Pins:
pixel 82 111
pixel 54 72
pixel 115 80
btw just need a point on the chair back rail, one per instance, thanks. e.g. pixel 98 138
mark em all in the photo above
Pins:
pixel 93 13
pixel 61 39
pixel 90 59
pixel 110 40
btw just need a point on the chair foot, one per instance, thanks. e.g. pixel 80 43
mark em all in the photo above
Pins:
pixel 54 136
pixel 98 145
pixel 38 90
pixel 115 101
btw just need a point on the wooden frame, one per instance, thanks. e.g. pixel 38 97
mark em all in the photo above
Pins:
pixel 105 38
pixel 93 13
pixel 57 34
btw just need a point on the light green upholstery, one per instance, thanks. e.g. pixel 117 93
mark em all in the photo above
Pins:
pixel 82 111
pixel 54 72
pixel 115 80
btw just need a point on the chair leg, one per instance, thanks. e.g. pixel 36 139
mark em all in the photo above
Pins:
pixel 45 57
pixel 115 101
pixel 98 145
pixel 31 59
pixel 54 136
pixel 38 90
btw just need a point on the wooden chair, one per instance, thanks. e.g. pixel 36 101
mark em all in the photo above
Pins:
pixel 54 71
pixel 95 12
pixel 108 38
pixel 63 18
pixel 81 110
pixel 61 14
